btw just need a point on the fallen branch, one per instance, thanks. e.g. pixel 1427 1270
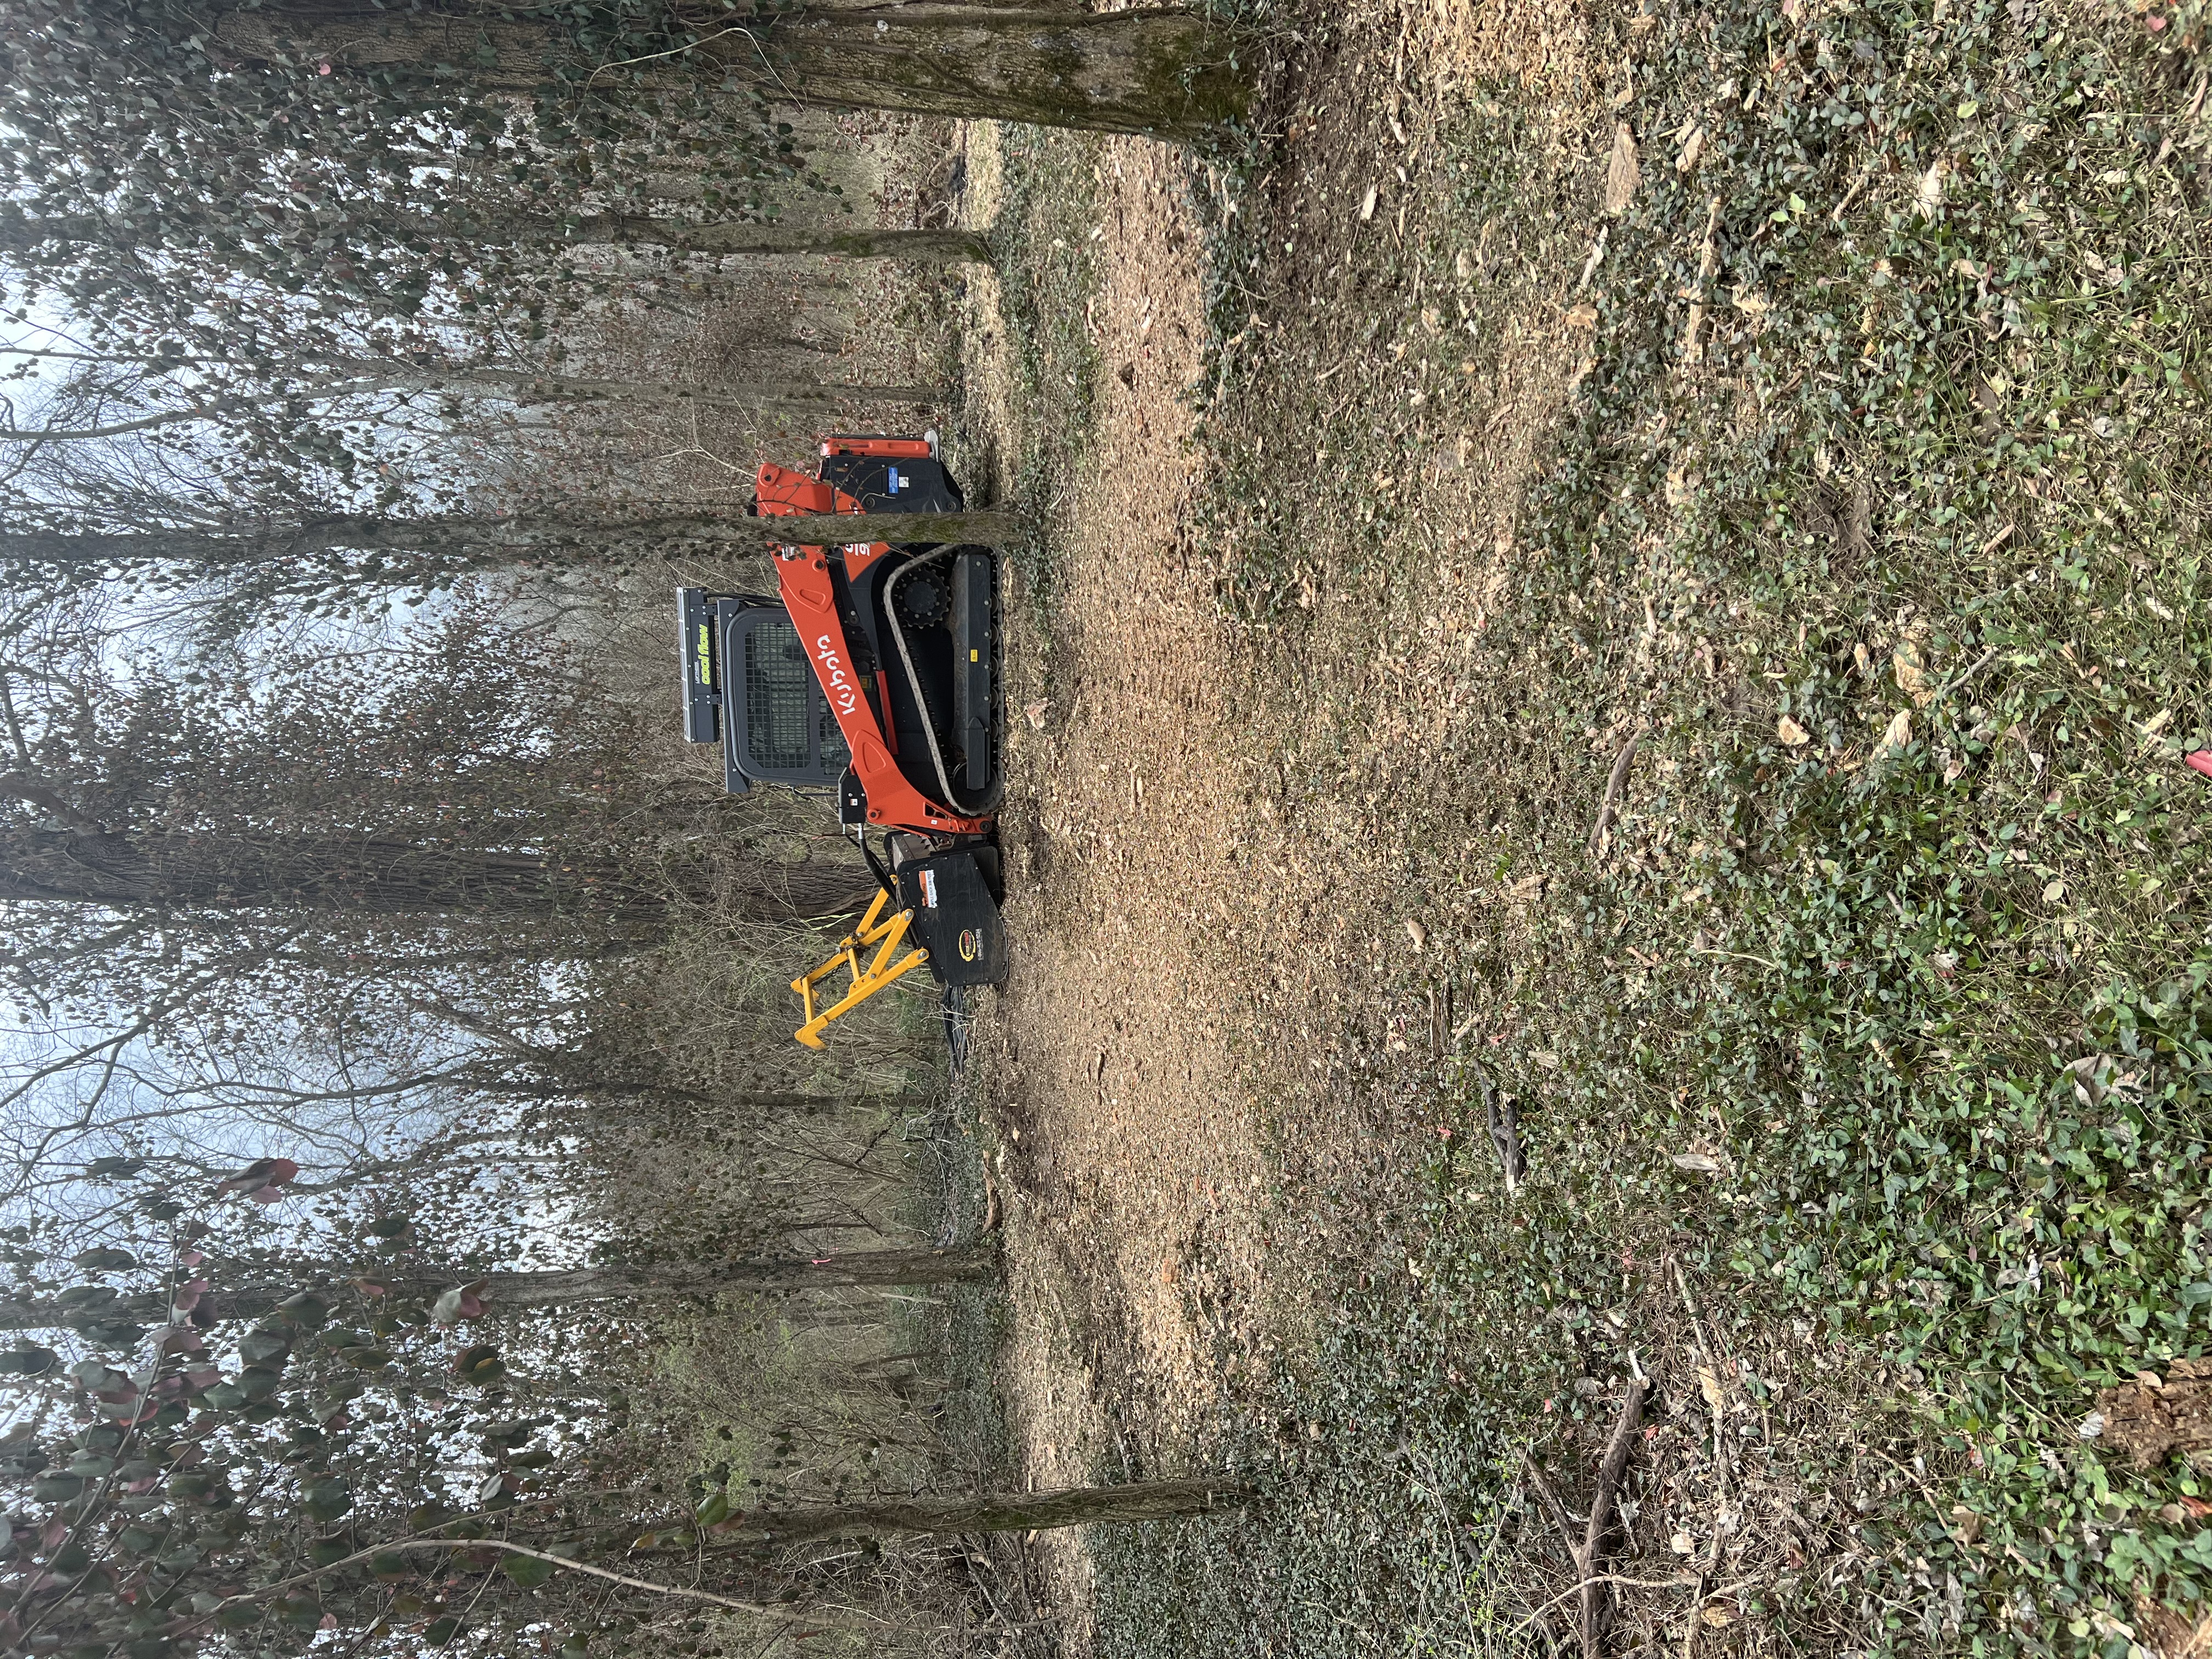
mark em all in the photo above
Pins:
pixel 764 1609
pixel 1607 1579
pixel 1588 1580
pixel 1601 1504
pixel 1693 348
pixel 1505 1134
pixel 1556 1510
pixel 1612 787
pixel 1709 1384
pixel 1707 1368
pixel 1980 662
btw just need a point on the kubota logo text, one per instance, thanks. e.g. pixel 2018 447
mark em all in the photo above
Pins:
pixel 835 680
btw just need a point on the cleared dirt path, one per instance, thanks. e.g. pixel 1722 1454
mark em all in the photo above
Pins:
pixel 1199 1072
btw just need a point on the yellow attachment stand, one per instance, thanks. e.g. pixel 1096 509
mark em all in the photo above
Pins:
pixel 874 929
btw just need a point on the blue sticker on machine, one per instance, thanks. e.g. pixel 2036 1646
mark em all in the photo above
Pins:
pixel 894 489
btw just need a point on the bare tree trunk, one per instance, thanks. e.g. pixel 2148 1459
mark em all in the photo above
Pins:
pixel 398 374
pixel 858 1269
pixel 359 875
pixel 519 385
pixel 857 242
pixel 21 235
pixel 822 530
pixel 458 542
pixel 524 384
pixel 1164 70
pixel 1079 1506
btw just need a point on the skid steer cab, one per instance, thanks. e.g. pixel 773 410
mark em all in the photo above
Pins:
pixel 870 677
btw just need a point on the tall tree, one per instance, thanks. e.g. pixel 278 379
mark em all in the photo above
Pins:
pixel 109 397
pixel 1161 71
pixel 82 862
pixel 458 1293
pixel 27 237
pixel 395 549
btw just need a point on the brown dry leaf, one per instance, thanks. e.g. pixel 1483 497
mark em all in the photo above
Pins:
pixel 1709 1384
pixel 1418 933
pixel 1911 668
pixel 1790 732
pixel 1929 193
pixel 1692 148
pixel 1035 712
pixel 1695 1162
pixel 1622 175
pixel 1899 734
pixel 2170 1635
pixel 1717 1617
pixel 1367 203
pixel 2148 1423
pixel 1582 316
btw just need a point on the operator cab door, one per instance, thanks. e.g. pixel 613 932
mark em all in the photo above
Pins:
pixel 776 723
pixel 747 682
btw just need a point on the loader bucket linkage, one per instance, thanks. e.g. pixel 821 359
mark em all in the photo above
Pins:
pixel 875 929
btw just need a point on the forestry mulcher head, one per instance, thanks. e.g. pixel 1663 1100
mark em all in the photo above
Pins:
pixel 873 674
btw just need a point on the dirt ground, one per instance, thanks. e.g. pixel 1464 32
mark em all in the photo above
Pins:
pixel 1130 1158
pixel 1456 514
pixel 1195 1063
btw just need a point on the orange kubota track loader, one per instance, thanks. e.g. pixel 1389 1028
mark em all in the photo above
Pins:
pixel 873 673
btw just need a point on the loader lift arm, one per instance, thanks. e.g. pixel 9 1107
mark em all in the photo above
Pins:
pixel 886 934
